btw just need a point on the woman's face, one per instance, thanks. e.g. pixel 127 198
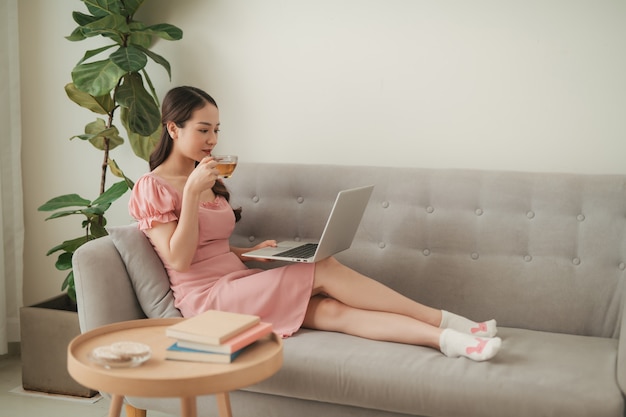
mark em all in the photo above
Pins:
pixel 197 138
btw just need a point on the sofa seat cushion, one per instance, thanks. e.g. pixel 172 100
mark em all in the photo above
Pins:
pixel 535 373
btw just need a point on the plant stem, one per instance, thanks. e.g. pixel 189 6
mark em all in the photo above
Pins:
pixel 105 165
pixel 105 161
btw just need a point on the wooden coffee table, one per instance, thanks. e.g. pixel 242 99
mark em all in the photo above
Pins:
pixel 158 377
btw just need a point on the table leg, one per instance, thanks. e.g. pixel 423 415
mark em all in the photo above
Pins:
pixel 134 412
pixel 188 407
pixel 115 408
pixel 223 405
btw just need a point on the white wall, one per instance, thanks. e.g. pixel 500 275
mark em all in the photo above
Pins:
pixel 534 85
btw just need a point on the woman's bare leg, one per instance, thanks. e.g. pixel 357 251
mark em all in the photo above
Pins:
pixel 324 313
pixel 361 292
pixel 328 314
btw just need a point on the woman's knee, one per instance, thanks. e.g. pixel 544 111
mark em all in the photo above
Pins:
pixel 331 308
pixel 325 313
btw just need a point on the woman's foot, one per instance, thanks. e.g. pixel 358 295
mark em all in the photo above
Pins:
pixel 463 325
pixel 454 344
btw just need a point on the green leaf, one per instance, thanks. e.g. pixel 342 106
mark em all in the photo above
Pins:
pixel 93 53
pixel 98 230
pixel 63 213
pixel 68 282
pixel 64 261
pixel 130 7
pixel 96 127
pixel 83 19
pixel 83 137
pixel 165 31
pixel 115 140
pixel 113 193
pixel 97 78
pixel 101 105
pixel 159 60
pixel 71 289
pixel 96 133
pixel 102 7
pixel 95 211
pixel 129 58
pixel 142 146
pixel 76 35
pixel 143 112
pixel 115 170
pixel 69 245
pixel 112 26
pixel 63 201
pixel 137 37
pixel 149 82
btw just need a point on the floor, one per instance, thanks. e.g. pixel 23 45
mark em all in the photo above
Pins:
pixel 14 404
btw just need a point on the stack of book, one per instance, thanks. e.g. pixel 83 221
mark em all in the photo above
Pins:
pixel 214 336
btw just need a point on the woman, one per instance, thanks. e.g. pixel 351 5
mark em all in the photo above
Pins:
pixel 183 208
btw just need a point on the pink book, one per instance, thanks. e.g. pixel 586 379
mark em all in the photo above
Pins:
pixel 233 344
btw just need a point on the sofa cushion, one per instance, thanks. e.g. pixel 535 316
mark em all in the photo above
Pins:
pixel 535 373
pixel 146 271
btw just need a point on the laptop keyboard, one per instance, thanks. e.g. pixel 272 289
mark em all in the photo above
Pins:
pixel 304 251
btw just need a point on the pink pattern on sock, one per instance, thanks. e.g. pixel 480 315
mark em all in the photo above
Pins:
pixel 482 327
pixel 479 348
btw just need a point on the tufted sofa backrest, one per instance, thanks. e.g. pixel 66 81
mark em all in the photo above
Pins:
pixel 534 250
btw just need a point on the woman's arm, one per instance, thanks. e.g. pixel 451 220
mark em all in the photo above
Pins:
pixel 177 242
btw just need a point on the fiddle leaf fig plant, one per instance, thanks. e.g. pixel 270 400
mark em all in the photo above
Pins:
pixel 107 79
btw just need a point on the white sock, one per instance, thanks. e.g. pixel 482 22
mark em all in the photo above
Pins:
pixel 463 325
pixel 454 344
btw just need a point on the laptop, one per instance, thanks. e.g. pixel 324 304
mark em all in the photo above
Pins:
pixel 338 234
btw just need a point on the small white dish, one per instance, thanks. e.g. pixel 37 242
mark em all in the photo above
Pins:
pixel 121 355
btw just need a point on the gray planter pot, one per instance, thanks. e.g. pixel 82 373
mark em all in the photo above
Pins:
pixel 46 330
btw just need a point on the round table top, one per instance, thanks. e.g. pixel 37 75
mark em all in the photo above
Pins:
pixel 158 377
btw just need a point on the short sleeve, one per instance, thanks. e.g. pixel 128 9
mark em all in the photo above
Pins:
pixel 151 201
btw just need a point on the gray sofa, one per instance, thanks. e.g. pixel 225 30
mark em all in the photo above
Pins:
pixel 544 254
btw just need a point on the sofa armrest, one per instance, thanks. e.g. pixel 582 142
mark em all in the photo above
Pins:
pixel 621 353
pixel 104 292
pixel 621 357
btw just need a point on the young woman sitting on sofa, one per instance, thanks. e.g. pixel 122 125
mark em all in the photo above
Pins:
pixel 183 207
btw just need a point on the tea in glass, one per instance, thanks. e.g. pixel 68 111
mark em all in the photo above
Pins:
pixel 226 164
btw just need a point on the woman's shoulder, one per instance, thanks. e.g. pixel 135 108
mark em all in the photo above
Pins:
pixel 151 198
pixel 152 181
pixel 152 189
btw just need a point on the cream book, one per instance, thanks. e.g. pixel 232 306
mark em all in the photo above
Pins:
pixel 235 343
pixel 212 327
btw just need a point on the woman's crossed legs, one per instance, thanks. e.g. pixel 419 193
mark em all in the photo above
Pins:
pixel 346 301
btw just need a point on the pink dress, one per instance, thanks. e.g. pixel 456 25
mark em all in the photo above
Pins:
pixel 217 278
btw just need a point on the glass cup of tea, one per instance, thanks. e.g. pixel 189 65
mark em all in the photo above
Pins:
pixel 226 164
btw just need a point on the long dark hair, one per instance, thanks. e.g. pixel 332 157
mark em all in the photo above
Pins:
pixel 178 105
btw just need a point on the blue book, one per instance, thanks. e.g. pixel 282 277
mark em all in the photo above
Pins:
pixel 178 353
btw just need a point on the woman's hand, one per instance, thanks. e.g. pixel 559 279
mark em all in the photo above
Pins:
pixel 264 244
pixel 240 251
pixel 203 177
